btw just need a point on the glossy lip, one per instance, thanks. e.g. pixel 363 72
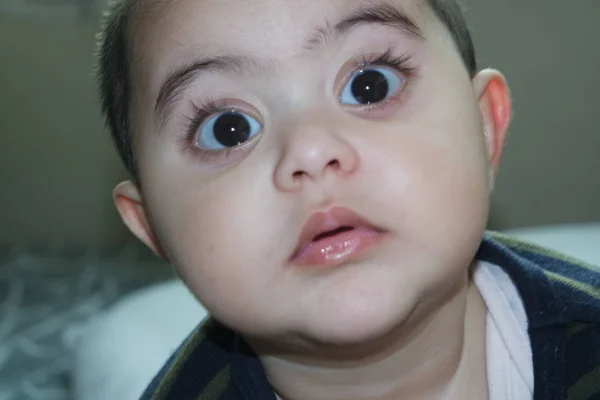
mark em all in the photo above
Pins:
pixel 344 245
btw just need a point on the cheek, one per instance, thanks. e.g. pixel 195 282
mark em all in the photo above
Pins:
pixel 214 233
pixel 434 183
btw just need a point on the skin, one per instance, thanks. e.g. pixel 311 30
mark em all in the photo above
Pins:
pixel 391 324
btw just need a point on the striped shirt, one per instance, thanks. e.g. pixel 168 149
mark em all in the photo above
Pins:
pixel 561 297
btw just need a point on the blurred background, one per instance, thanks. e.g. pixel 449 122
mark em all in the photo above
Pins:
pixel 65 254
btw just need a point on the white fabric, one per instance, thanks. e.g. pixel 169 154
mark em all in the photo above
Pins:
pixel 119 352
pixel 509 358
pixel 581 241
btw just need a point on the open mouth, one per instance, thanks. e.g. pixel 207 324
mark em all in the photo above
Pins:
pixel 334 237
pixel 334 232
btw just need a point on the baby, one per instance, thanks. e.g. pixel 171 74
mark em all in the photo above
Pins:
pixel 318 173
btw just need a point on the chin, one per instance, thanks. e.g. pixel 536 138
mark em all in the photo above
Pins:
pixel 357 334
pixel 359 321
pixel 371 305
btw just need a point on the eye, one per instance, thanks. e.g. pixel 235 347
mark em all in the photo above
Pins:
pixel 226 130
pixel 371 86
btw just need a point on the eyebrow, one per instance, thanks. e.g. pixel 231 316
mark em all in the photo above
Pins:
pixel 173 87
pixel 381 13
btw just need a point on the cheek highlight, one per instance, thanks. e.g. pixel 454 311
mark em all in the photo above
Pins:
pixel 444 181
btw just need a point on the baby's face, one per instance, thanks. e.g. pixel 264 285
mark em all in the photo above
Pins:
pixel 252 116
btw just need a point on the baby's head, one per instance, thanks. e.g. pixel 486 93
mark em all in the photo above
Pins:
pixel 316 171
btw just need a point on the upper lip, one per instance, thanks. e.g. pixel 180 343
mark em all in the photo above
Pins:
pixel 322 222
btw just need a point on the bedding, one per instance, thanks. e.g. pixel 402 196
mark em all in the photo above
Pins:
pixel 43 295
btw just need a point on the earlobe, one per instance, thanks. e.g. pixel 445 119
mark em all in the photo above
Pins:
pixel 130 205
pixel 496 108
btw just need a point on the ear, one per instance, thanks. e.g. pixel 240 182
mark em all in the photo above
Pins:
pixel 130 205
pixel 496 108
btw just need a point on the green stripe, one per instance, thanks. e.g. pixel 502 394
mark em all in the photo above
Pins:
pixel 217 385
pixel 172 373
pixel 523 245
pixel 586 387
pixel 582 287
pixel 575 328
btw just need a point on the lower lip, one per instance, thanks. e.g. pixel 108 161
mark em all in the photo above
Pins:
pixel 338 249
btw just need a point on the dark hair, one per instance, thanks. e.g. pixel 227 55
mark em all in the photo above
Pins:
pixel 113 69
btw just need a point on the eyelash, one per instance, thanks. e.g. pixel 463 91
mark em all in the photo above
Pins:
pixel 401 64
pixel 387 59
pixel 201 113
pixel 210 107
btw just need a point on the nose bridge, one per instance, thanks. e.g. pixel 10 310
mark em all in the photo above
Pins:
pixel 309 128
pixel 312 145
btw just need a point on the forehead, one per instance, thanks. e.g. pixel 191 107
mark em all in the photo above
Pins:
pixel 170 34
pixel 267 27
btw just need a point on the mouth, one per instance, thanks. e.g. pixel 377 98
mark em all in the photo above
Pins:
pixel 335 237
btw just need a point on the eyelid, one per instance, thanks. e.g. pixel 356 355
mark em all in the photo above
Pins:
pixel 382 59
pixel 203 112
pixel 224 154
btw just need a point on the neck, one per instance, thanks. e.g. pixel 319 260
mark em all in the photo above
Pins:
pixel 439 356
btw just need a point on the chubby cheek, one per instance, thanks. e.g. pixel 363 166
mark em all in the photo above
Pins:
pixel 216 235
pixel 437 190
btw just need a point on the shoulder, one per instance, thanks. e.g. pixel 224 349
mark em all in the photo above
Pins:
pixel 214 362
pixel 200 363
pixel 556 289
pixel 561 296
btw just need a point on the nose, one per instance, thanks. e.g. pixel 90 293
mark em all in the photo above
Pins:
pixel 311 152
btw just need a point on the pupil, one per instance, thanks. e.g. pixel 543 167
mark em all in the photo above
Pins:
pixel 370 87
pixel 231 129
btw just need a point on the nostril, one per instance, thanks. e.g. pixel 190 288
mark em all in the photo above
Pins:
pixel 297 175
pixel 300 173
pixel 334 164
